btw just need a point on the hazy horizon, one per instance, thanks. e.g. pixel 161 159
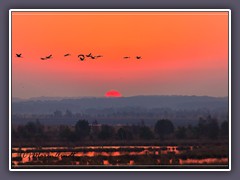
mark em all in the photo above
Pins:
pixel 75 97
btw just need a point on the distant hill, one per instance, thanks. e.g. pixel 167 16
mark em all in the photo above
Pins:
pixel 45 105
pixel 42 98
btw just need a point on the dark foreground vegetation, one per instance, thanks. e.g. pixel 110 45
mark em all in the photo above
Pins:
pixel 35 134
pixel 160 146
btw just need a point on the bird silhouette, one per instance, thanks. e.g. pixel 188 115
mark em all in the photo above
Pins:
pixel 81 57
pixel 65 55
pixel 93 57
pixel 126 57
pixel 48 57
pixel 89 55
pixel 138 57
pixel 19 55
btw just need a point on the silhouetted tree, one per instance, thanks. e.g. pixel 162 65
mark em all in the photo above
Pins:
pixel 145 133
pixel 106 132
pixel 22 133
pixel 32 130
pixel 192 132
pixel 213 129
pixel 164 127
pixel 224 128
pixel 95 129
pixel 202 128
pixel 82 129
pixel 124 134
pixel 135 130
pixel 181 133
pixel 14 134
pixel 65 133
pixel 208 128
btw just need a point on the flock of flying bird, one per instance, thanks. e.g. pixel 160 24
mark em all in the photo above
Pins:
pixel 80 56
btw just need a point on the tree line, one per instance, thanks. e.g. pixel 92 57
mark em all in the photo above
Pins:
pixel 207 128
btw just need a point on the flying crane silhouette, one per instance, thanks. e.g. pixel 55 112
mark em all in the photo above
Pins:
pixel 93 57
pixel 81 57
pixel 48 57
pixel 65 55
pixel 19 55
pixel 89 55
pixel 138 57
pixel 126 57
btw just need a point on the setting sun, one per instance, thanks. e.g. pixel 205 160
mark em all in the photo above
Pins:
pixel 113 93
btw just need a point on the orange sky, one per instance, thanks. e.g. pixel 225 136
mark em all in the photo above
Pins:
pixel 183 53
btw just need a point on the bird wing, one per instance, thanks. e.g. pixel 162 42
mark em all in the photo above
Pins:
pixel 89 55
pixel 81 56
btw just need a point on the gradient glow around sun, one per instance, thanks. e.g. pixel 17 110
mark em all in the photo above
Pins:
pixel 113 93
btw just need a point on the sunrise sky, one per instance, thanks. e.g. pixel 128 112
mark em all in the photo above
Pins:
pixel 183 53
